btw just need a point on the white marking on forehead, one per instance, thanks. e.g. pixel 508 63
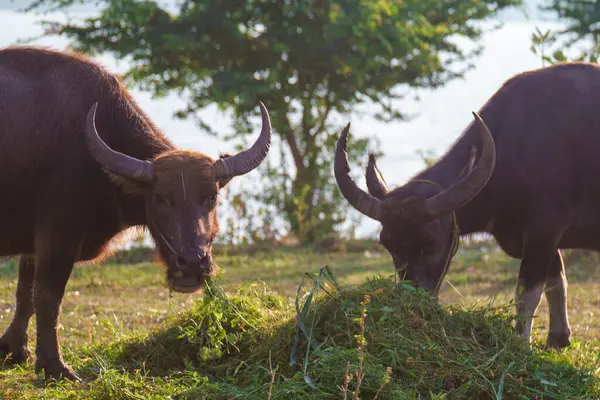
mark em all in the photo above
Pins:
pixel 183 185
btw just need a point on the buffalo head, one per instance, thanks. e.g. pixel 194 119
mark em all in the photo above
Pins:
pixel 418 221
pixel 180 189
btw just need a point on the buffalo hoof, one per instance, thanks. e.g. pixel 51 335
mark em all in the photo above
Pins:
pixel 14 350
pixel 56 370
pixel 558 340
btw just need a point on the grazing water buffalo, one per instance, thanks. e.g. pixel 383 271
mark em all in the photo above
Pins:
pixel 71 183
pixel 532 180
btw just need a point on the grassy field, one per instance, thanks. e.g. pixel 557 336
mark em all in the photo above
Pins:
pixel 107 302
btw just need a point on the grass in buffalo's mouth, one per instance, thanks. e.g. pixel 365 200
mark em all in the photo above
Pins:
pixel 129 339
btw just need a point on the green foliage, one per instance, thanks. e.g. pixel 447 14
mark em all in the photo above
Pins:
pixel 305 59
pixel 377 338
pixel 428 157
pixel 216 328
pixel 582 18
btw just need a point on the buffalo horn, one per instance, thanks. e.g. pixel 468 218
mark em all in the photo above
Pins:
pixel 466 189
pixel 363 202
pixel 375 182
pixel 117 163
pixel 247 160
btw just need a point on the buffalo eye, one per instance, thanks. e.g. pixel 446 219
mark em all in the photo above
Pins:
pixel 211 201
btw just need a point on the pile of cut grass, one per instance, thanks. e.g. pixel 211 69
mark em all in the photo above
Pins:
pixel 379 339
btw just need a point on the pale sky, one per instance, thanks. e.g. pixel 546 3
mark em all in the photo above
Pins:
pixel 442 114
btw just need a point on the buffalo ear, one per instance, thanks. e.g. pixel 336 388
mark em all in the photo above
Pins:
pixel 126 185
pixel 222 183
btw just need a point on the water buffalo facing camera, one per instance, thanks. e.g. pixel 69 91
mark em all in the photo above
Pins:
pixel 528 175
pixel 80 163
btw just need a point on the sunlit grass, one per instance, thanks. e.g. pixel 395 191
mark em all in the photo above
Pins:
pixel 110 304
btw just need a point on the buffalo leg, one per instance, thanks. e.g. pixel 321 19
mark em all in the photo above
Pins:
pixel 13 344
pixel 538 255
pixel 559 334
pixel 51 276
pixel 527 297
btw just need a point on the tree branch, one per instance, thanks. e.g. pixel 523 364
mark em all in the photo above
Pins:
pixel 289 137
pixel 325 114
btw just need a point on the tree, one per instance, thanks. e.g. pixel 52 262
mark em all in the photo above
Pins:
pixel 305 59
pixel 582 18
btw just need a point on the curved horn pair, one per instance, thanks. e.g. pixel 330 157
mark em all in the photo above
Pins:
pixel 363 202
pixel 446 201
pixel 143 170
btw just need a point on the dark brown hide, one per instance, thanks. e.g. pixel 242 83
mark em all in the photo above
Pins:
pixel 71 183
pixel 542 196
